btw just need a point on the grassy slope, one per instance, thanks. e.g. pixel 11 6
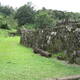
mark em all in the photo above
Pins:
pixel 19 63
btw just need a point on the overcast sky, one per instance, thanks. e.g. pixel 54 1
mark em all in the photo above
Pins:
pixel 65 5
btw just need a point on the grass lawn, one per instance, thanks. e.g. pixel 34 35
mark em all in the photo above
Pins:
pixel 20 63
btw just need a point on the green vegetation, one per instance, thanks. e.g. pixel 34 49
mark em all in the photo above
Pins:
pixel 20 63
pixel 25 14
pixel 30 26
pixel 43 19
pixel 12 23
pixel 6 10
pixel 3 33
pixel 7 22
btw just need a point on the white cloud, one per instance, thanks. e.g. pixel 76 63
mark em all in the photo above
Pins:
pixel 68 5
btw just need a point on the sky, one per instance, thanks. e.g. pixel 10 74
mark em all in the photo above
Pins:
pixel 64 5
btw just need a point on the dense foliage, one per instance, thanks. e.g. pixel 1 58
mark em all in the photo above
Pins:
pixel 43 19
pixel 25 14
pixel 6 10
pixel 7 20
pixel 28 17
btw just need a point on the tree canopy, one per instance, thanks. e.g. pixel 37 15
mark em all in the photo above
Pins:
pixel 6 10
pixel 25 14
pixel 43 19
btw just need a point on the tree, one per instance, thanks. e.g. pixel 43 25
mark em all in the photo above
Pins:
pixel 43 19
pixel 25 14
pixel 59 14
pixel 6 10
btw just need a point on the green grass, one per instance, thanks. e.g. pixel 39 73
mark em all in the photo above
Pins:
pixel 29 26
pixel 3 33
pixel 20 63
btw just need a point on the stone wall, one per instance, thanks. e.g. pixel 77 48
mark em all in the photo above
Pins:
pixel 53 40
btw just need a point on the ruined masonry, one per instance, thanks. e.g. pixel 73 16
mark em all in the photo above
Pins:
pixel 54 40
